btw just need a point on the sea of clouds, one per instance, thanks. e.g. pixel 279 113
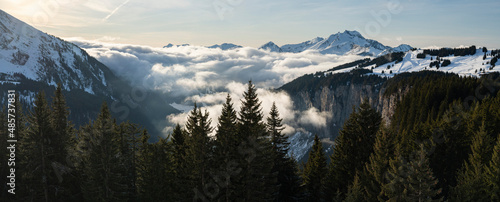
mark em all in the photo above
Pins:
pixel 206 76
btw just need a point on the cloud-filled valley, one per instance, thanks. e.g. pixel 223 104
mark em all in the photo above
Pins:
pixel 189 74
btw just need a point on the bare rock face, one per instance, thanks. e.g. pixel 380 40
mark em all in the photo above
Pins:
pixel 341 100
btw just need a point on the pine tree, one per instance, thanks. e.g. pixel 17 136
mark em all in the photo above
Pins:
pixel 37 151
pixel 285 166
pixel 421 181
pixel 274 127
pixel 102 164
pixel 250 115
pixel 452 150
pixel 352 148
pixel 493 173
pixel 64 141
pixel 394 189
pixel 154 170
pixel 314 172
pixel 471 182
pixel 226 150
pixel 199 147
pixel 127 137
pixel 411 181
pixel 355 192
pixel 378 165
pixel 258 183
pixel 182 190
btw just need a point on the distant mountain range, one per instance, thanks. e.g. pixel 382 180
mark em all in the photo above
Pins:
pixel 345 43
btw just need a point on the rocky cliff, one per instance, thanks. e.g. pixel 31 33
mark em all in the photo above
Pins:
pixel 339 94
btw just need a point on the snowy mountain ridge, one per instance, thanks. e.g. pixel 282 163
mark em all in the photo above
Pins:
pixel 347 42
pixel 469 65
pixel 26 52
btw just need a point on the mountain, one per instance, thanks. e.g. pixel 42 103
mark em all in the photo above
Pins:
pixel 33 61
pixel 336 90
pixel 270 46
pixel 29 53
pixel 347 42
pixel 226 46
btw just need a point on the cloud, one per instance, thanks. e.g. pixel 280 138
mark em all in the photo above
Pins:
pixel 293 120
pixel 314 117
pixel 189 70
pixel 212 103
pixel 198 74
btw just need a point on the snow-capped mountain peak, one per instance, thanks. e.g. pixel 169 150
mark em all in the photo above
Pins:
pixel 31 54
pixel 271 46
pixel 341 43
pixel 402 48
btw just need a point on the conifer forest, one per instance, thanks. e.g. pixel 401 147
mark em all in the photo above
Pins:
pixel 438 146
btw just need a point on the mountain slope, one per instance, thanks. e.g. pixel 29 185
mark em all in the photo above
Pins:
pixel 347 42
pixel 474 63
pixel 30 53
pixel 335 91
pixel 32 61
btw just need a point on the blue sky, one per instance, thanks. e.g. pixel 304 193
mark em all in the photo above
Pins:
pixel 156 23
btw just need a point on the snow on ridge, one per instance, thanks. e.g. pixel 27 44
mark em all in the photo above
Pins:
pixel 470 65
pixel 30 52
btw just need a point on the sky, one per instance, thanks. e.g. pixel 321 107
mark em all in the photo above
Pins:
pixel 156 23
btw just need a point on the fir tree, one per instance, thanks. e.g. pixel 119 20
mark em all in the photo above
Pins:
pixel 421 181
pixel 394 189
pixel 227 128
pixel 199 147
pixel 493 173
pixel 411 181
pixel 274 126
pixel 258 183
pixel 355 192
pixel 352 148
pixel 127 137
pixel 154 173
pixel 102 164
pixel 226 149
pixel 183 189
pixel 285 166
pixel 471 182
pixel 378 165
pixel 250 115
pixel 65 140
pixel 38 152
pixel 314 172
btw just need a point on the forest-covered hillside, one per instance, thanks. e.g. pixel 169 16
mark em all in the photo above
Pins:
pixel 442 144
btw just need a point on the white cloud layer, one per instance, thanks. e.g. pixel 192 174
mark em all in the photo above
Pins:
pixel 206 76
pixel 189 70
